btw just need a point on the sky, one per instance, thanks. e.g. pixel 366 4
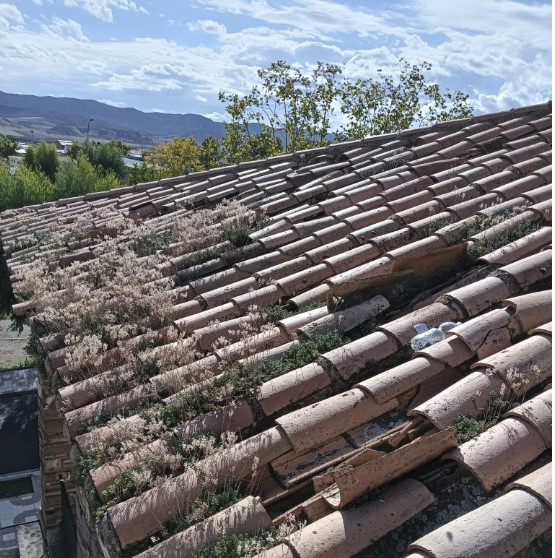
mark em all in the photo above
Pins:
pixel 176 56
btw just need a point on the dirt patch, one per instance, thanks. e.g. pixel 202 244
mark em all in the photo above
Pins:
pixel 12 345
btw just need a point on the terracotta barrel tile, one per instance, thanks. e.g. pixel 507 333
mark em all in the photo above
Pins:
pixel 447 185
pixel 292 324
pixel 275 227
pixel 367 218
pixel 279 239
pixel 278 393
pixel 470 396
pixel 208 336
pixel 255 343
pixel 418 248
pixel 475 331
pixel 103 476
pixel 335 204
pixel 92 389
pixel 345 320
pixel 247 516
pixel 479 296
pixel 185 309
pixel 333 233
pixel 408 188
pixel 78 418
pixel 312 426
pixel 421 211
pixel 543 210
pixel 502 527
pixel 265 296
pixel 357 355
pixel 294 283
pixel 432 315
pixel 355 482
pixel 435 385
pixel 542 123
pixel 90 439
pixel 367 233
pixel 202 319
pixel 520 248
pixel 422 226
pixel 532 309
pixel 353 258
pixel 458 196
pixel 217 297
pixel 141 516
pixel 521 186
pixel 500 452
pixel 282 270
pixel 545 328
pixel 308 227
pixel 410 201
pixel 317 255
pixel 451 351
pixel 538 483
pixel 402 378
pixel 299 247
pixel 523 365
pixel 537 412
pixel 524 153
pixel 315 294
pixel 206 367
pixel 344 533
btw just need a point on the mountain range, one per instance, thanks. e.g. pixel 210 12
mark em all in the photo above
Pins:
pixel 29 117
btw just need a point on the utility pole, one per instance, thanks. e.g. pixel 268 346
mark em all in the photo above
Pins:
pixel 88 128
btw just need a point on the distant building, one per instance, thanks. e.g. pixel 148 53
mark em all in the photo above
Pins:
pixel 63 145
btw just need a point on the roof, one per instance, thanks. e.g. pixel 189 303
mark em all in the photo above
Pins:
pixel 371 321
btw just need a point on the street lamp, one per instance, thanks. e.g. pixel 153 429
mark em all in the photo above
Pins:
pixel 88 128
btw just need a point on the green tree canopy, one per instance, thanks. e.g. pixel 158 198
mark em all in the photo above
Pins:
pixel 307 110
pixel 108 156
pixel 7 146
pixel 43 157
pixel 177 157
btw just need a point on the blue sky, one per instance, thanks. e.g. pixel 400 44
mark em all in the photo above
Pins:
pixel 176 55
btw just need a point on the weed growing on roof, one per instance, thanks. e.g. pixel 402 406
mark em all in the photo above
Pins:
pixel 274 314
pixel 88 460
pixel 207 504
pixel 485 246
pixel 240 380
pixel 152 243
pixel 467 428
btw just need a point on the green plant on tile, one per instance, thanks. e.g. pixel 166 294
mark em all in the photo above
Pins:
pixel 467 428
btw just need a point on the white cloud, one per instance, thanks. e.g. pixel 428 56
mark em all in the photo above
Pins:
pixel 69 29
pixel 201 99
pixel 208 26
pixel 102 9
pixel 10 17
pixel 117 104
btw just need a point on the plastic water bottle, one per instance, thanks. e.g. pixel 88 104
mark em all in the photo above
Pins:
pixel 427 337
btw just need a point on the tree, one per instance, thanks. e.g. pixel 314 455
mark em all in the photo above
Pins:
pixel 177 157
pixel 302 108
pixel 76 178
pixel 209 152
pixel 8 146
pixel 388 104
pixel 24 187
pixel 43 157
pixel 108 156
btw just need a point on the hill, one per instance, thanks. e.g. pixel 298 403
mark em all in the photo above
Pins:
pixel 51 118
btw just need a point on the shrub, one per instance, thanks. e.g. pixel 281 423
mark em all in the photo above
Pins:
pixel 25 187
pixel 43 157
pixel 81 177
